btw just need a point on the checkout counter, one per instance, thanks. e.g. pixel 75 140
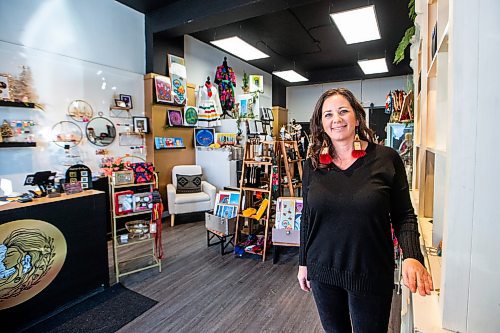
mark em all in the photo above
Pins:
pixel 53 254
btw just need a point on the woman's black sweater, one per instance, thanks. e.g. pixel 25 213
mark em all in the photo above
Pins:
pixel 345 232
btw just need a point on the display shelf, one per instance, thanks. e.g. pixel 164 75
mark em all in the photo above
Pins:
pixel 133 214
pixel 133 185
pixel 133 241
pixel 248 195
pixel 28 105
pixel 168 148
pixel 437 151
pixel 17 144
pixel 431 73
pixel 119 258
pixel 255 189
pixel 253 162
pixel 137 264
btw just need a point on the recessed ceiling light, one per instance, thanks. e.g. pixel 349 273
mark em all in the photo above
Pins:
pixel 239 48
pixel 290 76
pixel 357 25
pixel 373 66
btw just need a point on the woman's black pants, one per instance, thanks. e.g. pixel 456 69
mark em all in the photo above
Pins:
pixel 343 311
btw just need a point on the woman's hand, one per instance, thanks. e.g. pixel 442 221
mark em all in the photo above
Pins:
pixel 303 281
pixel 416 277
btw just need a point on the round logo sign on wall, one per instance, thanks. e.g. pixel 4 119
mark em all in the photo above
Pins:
pixel 32 252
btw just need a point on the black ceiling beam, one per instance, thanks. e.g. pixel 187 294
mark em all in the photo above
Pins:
pixel 185 17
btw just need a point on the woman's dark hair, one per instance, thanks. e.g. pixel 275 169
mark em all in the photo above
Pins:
pixel 318 135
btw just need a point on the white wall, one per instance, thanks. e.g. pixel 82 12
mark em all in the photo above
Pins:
pixel 72 48
pixel 471 270
pixel 202 61
pixel 100 31
pixel 302 99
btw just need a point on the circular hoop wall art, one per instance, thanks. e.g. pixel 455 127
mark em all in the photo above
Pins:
pixel 66 133
pixel 204 137
pixel 80 111
pixel 190 116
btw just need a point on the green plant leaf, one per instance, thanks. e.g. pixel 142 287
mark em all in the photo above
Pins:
pixel 403 44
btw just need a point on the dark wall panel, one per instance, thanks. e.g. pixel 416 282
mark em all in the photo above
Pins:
pixel 279 93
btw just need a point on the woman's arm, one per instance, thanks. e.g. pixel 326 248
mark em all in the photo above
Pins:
pixel 404 221
pixel 304 227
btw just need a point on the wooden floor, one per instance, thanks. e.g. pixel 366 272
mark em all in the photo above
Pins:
pixel 199 290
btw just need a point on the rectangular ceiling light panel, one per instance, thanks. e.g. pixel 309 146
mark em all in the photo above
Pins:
pixel 290 76
pixel 239 48
pixel 357 25
pixel 373 66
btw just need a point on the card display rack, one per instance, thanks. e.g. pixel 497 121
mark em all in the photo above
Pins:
pixel 123 264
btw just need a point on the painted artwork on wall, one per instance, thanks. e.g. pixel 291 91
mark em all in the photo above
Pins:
pixel 163 89
pixel 175 117
pixel 256 83
pixel 178 89
pixel 204 137
pixel 190 116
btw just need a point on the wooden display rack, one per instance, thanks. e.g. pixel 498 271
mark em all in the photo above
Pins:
pixel 117 245
pixel 292 166
pixel 245 225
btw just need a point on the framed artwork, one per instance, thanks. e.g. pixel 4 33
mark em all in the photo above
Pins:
pixel 123 177
pixel 252 126
pixel 176 65
pixel 256 83
pixel 190 116
pixel 266 114
pixel 204 137
pixel 140 124
pixel 178 89
pixel 163 89
pixel 225 139
pixel 119 103
pixel 4 87
pixel 127 99
pixel 175 117
pixel 259 126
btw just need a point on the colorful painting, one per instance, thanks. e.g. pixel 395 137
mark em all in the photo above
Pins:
pixel 204 137
pixel 179 89
pixel 175 118
pixel 190 116
pixel 225 139
pixel 163 89
pixel 256 83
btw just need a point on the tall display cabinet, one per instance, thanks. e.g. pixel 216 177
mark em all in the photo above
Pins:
pixel 455 130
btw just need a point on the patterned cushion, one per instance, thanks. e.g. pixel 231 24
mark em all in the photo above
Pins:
pixel 188 183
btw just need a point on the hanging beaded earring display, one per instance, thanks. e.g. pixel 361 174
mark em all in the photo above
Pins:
pixel 324 156
pixel 357 147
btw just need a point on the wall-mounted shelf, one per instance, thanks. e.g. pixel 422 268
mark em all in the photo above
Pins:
pixel 166 148
pixel 17 144
pixel 13 104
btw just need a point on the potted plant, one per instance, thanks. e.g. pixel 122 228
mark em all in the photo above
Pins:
pixel 409 33
pixel 245 86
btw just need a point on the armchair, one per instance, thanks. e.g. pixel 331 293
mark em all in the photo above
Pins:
pixel 180 203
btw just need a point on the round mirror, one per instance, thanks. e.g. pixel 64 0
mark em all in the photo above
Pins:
pixel 101 131
pixel 80 111
pixel 66 133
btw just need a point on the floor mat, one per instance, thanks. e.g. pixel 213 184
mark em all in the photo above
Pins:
pixel 105 312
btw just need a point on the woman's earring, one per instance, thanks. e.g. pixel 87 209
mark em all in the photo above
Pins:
pixel 357 147
pixel 324 156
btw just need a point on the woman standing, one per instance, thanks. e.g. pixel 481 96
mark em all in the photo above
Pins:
pixel 353 190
